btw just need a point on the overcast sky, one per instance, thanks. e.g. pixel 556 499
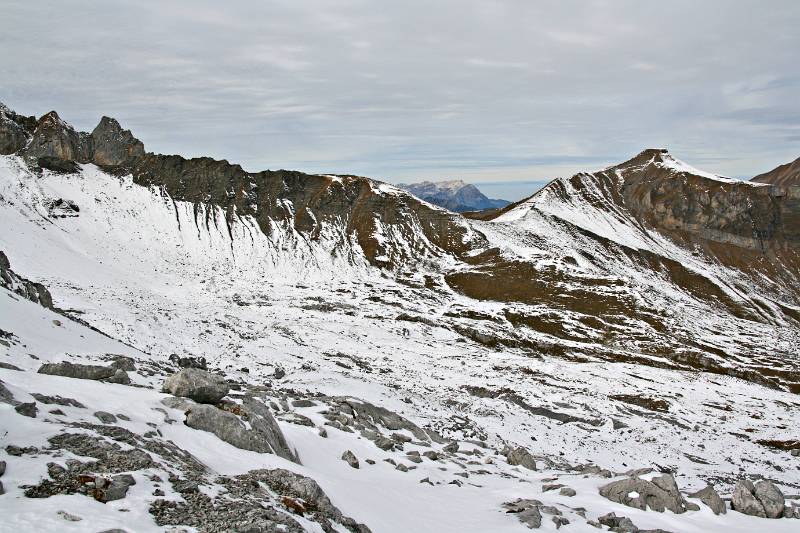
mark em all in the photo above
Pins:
pixel 489 91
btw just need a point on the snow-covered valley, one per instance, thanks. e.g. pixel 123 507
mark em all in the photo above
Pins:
pixel 584 372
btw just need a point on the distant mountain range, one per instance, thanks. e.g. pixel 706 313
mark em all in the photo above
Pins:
pixel 455 195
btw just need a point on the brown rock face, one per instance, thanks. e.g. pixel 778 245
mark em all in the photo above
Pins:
pixel 55 138
pixel 15 130
pixel 114 146
pixel 787 175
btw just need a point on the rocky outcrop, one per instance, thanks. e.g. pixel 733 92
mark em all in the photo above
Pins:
pixel 522 457
pixel 15 130
pixel 526 511
pixel 763 499
pixel 55 138
pixel 114 146
pixel 263 434
pixel 356 210
pixel 35 292
pixel 199 385
pixel 81 371
pixel 659 494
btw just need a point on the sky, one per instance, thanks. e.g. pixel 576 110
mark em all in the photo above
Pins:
pixel 504 94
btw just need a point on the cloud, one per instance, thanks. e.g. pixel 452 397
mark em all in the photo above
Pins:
pixel 507 90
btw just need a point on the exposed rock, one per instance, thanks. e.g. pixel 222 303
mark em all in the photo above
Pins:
pixel 15 130
pixel 114 146
pixel 79 371
pixel 711 498
pixel 262 421
pixel 451 447
pixel 69 517
pixel 350 458
pixel 2 468
pixel 620 524
pixel 105 418
pixel 189 362
pixel 771 498
pixel 288 483
pixel 303 403
pixel 35 292
pixel 27 409
pixel 55 138
pixel 567 491
pixel 744 500
pixel 641 494
pixel 199 385
pixel 520 456
pixel 57 400
pixel 123 362
pixel 264 436
pixel 527 512
pixel 114 489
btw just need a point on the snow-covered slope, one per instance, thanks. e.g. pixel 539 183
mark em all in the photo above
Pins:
pixel 566 327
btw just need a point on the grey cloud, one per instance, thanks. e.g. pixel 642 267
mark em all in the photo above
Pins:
pixel 487 91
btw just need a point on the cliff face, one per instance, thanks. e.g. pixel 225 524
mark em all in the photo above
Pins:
pixel 390 226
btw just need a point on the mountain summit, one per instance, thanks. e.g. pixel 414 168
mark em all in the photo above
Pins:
pixel 455 195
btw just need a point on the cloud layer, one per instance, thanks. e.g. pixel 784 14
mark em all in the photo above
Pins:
pixel 484 91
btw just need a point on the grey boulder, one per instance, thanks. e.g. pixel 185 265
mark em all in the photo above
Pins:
pixel 744 500
pixel 520 456
pixel 711 498
pixel 199 385
pixel 658 495
pixel 80 371
pixel 771 498
pixel 350 458
pixel 263 436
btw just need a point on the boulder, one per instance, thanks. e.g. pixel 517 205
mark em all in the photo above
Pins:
pixel 621 524
pixel 105 418
pixel 527 512
pixel 567 491
pixel 520 456
pixel 771 498
pixel 641 494
pixel 262 421
pixel 350 458
pixel 27 409
pixel 263 436
pixel 744 500
pixel 199 385
pixel 114 489
pixel 711 498
pixel 78 371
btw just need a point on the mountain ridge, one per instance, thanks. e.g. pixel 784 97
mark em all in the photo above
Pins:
pixel 454 195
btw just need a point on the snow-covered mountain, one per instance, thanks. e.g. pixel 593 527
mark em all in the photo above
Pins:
pixel 640 317
pixel 455 195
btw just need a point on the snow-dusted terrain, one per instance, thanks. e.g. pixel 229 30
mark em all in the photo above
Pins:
pixel 136 265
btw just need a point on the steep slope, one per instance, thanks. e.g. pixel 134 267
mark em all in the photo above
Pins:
pixel 454 195
pixel 787 175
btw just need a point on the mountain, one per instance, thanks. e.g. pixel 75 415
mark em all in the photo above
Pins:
pixel 785 175
pixel 211 348
pixel 454 195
